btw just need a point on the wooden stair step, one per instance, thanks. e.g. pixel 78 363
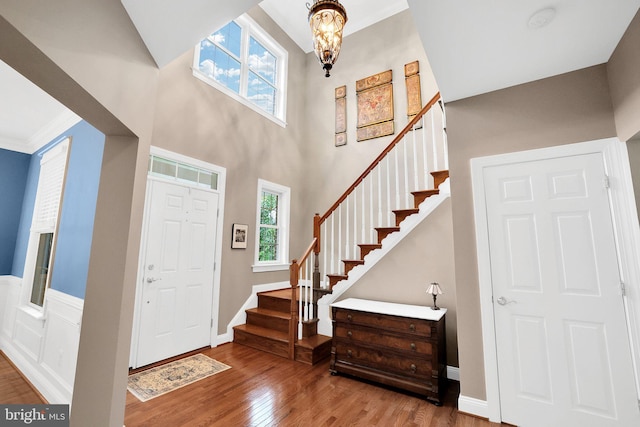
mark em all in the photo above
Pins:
pixel 350 263
pixel 385 231
pixel 365 248
pixel 439 177
pixel 335 278
pixel 402 214
pixel 267 318
pixel 313 349
pixel 264 339
pixel 422 195
pixel 278 300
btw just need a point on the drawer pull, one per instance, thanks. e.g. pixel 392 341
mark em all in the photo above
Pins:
pixel 412 327
pixel 349 334
pixel 414 368
pixel 349 353
pixel 349 318
pixel 413 346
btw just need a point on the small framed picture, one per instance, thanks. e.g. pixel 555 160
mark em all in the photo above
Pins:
pixel 239 236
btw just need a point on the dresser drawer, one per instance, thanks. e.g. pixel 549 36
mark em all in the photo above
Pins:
pixel 388 361
pixel 392 323
pixel 412 343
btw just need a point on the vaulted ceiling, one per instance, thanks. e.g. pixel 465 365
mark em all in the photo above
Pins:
pixel 473 46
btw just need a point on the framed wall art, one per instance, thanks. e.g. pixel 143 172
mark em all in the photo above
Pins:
pixel 375 106
pixel 239 234
pixel 341 115
pixel 412 83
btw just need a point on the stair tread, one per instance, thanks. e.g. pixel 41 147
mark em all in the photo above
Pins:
pixel 269 312
pixel 436 191
pixel 413 210
pixel 263 332
pixel 357 261
pixel 370 245
pixel 313 341
pixel 388 228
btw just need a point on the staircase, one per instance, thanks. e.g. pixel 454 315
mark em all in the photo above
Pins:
pixel 385 195
pixel 267 329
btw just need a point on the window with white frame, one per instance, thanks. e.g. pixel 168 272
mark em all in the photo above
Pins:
pixel 44 224
pixel 272 227
pixel 246 63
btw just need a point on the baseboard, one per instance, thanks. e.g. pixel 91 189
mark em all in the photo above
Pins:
pixel 473 406
pixel 453 373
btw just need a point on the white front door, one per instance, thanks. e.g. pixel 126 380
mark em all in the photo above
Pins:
pixel 561 336
pixel 177 289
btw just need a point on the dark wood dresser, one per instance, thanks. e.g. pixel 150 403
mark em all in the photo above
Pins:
pixel 398 345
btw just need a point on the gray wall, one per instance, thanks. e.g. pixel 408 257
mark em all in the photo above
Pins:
pixel 402 276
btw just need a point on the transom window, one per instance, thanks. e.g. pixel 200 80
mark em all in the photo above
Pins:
pixel 272 227
pixel 243 61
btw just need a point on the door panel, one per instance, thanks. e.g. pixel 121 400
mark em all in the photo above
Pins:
pixel 177 288
pixel 561 337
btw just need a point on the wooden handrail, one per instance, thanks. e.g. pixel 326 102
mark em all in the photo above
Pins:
pixel 382 155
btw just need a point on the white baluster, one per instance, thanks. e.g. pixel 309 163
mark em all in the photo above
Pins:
pixel 397 179
pixel 406 171
pixel 325 247
pixel 433 139
pixel 388 191
pixel 363 232
pixel 415 161
pixel 445 144
pixel 425 151
pixel 333 243
pixel 371 208
pixel 339 260
pixel 346 233
pixel 355 223
pixel 379 201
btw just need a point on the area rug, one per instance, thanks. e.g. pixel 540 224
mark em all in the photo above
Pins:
pixel 161 380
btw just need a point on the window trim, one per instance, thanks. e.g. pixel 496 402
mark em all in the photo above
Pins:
pixel 284 215
pixel 61 149
pixel 251 29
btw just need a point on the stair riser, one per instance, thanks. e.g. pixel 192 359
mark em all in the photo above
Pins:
pixel 348 265
pixel 366 249
pixel 277 304
pixel 267 321
pixel 314 356
pixel 261 343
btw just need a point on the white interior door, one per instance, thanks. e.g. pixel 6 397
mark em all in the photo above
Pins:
pixel 177 289
pixel 561 336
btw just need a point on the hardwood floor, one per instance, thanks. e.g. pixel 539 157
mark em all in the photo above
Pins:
pixel 265 390
pixel 14 389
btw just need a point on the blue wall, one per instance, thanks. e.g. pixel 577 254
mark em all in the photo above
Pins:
pixel 71 264
pixel 14 168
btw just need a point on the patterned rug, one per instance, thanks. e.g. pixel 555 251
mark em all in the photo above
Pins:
pixel 160 380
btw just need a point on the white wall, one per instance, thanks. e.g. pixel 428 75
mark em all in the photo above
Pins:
pixel 44 346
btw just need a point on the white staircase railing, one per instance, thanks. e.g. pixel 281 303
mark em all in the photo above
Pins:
pixel 405 166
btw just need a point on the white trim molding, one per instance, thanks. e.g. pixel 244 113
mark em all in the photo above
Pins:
pixel 627 236
pixel 473 406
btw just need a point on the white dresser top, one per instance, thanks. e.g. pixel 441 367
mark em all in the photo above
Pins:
pixel 403 310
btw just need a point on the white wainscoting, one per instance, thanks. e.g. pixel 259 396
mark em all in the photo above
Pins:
pixel 43 345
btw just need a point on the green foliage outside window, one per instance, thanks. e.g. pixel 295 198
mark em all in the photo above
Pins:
pixel 268 246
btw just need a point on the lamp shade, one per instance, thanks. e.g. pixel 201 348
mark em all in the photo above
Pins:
pixel 327 19
pixel 434 289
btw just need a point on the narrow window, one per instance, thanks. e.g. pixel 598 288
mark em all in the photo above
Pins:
pixel 44 225
pixel 272 227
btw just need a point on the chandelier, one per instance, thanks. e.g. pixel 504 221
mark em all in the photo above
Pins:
pixel 327 19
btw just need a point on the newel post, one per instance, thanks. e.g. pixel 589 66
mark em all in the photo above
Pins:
pixel 294 275
pixel 316 251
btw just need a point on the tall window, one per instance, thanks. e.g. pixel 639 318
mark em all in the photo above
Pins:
pixel 243 61
pixel 272 228
pixel 44 224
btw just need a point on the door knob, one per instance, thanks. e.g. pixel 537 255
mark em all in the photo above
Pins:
pixel 152 279
pixel 504 301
